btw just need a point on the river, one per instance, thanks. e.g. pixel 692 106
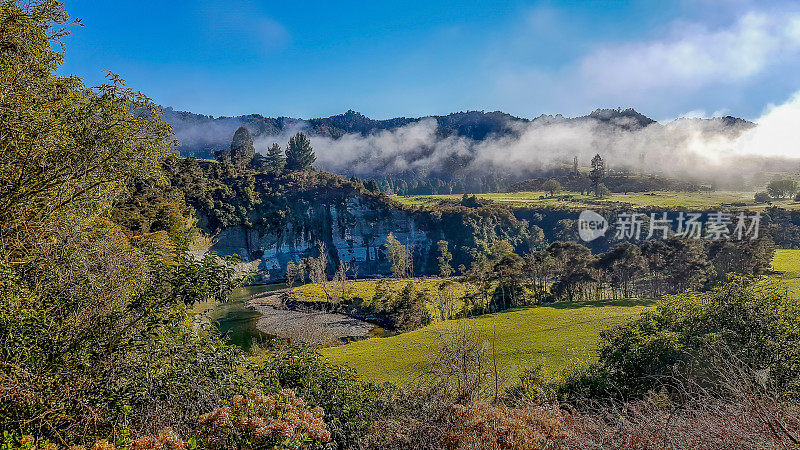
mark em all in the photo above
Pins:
pixel 252 316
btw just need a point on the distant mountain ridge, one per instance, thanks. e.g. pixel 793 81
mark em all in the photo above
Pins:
pixel 201 135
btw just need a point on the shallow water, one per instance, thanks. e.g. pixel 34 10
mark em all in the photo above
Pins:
pixel 235 319
pixel 239 323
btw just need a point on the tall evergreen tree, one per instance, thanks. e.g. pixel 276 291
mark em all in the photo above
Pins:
pixel 299 154
pixel 275 161
pixel 597 173
pixel 242 149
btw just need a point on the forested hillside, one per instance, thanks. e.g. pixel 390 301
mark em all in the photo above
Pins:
pixel 202 135
pixel 473 151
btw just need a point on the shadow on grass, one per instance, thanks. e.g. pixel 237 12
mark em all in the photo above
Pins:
pixel 577 305
pixel 622 302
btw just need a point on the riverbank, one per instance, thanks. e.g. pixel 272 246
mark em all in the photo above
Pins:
pixel 311 326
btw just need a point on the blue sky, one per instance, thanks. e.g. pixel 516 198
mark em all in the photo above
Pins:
pixel 386 58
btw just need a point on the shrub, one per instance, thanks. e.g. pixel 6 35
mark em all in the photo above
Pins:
pixel 350 404
pixel 533 385
pixel 756 322
pixel 261 421
pixel 762 197
pixel 477 425
pixel 496 426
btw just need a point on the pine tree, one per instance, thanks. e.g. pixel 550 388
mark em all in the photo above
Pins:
pixel 299 154
pixel 242 149
pixel 597 173
pixel 275 161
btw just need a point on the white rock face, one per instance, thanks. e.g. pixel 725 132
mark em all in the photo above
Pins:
pixel 357 232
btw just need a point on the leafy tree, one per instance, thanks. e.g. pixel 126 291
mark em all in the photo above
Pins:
pixel 299 154
pixel 573 264
pixel 444 259
pixel 746 257
pixel 479 274
pixel 398 255
pixel 782 188
pixel 507 272
pixel 67 148
pixel 410 311
pixel 275 161
pixel 537 271
pixel 445 299
pixel 372 186
pixel 603 191
pixel 94 313
pixel 762 197
pixel 676 264
pixel 624 265
pixel 552 186
pixel 242 149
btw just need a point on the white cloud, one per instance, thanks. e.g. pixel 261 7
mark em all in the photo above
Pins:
pixel 692 57
pixel 724 57
pixel 777 133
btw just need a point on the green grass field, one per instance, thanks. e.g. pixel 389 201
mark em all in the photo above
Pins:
pixel 365 289
pixel 787 261
pixel 657 199
pixel 553 335
pixel 787 264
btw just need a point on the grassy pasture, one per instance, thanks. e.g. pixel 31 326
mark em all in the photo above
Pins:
pixel 787 264
pixel 365 289
pixel 554 335
pixel 656 199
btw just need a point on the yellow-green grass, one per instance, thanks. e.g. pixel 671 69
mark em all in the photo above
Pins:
pixel 656 199
pixel 786 261
pixel 365 289
pixel 787 264
pixel 554 336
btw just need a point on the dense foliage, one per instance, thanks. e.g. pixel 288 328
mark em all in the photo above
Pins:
pixel 756 323
pixel 97 336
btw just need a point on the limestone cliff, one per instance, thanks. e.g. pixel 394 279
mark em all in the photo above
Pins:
pixel 354 232
pixel 270 219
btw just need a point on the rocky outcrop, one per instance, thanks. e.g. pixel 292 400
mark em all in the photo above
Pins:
pixel 354 232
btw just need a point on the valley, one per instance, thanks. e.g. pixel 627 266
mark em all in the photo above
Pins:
pixel 449 278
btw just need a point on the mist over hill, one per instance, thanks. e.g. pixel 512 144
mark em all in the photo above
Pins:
pixel 478 143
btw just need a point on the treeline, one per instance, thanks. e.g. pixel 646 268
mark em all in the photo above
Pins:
pixel 570 179
pixel 499 278
pixel 434 185
pixel 568 271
